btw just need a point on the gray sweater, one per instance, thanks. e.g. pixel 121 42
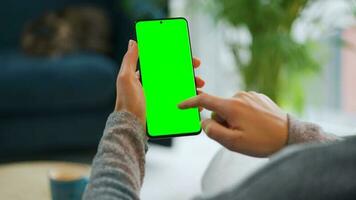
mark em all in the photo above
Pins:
pixel 118 167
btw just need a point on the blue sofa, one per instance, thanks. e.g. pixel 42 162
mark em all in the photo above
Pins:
pixel 49 105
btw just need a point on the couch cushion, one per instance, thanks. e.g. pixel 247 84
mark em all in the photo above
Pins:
pixel 78 81
pixel 14 15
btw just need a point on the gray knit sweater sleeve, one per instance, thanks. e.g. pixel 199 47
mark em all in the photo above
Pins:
pixel 118 167
pixel 302 132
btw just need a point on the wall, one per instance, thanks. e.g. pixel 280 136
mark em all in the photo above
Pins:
pixel 348 71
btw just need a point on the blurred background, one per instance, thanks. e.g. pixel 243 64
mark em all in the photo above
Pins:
pixel 59 61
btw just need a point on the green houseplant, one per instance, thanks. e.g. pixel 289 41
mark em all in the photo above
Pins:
pixel 277 63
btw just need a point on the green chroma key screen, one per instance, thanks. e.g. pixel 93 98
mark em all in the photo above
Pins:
pixel 167 76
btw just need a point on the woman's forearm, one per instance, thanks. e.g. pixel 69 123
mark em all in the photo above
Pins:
pixel 118 167
pixel 302 132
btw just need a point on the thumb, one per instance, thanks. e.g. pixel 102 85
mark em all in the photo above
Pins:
pixel 219 132
pixel 129 62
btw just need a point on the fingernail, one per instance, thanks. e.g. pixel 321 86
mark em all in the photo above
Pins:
pixel 130 44
pixel 180 105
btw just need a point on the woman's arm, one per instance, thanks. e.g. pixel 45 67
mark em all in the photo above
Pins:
pixel 302 132
pixel 118 167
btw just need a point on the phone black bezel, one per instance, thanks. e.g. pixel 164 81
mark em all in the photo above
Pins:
pixel 196 91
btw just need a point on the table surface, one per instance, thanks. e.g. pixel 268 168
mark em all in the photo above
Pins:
pixel 29 180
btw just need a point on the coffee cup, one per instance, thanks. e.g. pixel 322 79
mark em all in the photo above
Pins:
pixel 68 182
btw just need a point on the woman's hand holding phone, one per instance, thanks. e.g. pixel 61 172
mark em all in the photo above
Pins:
pixel 129 92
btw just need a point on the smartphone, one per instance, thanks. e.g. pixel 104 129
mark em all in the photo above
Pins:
pixel 167 77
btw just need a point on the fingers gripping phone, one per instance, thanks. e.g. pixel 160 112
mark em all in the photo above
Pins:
pixel 167 77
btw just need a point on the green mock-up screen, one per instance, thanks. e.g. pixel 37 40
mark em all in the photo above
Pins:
pixel 167 76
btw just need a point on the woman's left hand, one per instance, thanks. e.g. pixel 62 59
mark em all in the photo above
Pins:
pixel 129 92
